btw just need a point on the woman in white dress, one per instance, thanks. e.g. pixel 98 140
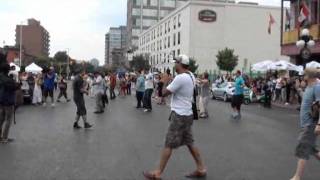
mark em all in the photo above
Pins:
pixel 37 92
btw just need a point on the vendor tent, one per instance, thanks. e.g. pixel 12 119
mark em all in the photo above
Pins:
pixel 33 68
pixel 284 65
pixel 262 66
pixel 17 67
pixel 313 64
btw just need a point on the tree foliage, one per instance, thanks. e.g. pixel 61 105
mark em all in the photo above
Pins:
pixel 227 60
pixel 193 67
pixel 139 62
pixel 61 57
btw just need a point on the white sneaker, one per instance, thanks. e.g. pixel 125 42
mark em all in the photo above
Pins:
pixel 53 105
pixel 44 104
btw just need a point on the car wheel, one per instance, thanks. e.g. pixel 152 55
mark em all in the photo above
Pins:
pixel 213 96
pixel 246 102
pixel 225 97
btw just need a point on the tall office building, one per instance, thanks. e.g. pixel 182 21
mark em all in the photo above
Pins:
pixel 116 38
pixel 35 38
pixel 142 14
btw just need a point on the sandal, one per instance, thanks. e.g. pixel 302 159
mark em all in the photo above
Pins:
pixel 150 176
pixel 197 174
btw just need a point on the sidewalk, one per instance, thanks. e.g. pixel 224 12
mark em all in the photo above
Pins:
pixel 289 106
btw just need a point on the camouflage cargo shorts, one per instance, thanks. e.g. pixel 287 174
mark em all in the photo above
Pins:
pixel 179 131
pixel 307 143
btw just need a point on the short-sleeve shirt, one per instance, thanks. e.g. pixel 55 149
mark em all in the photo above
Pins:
pixel 149 81
pixel 239 85
pixel 140 86
pixel 182 88
pixel 310 95
pixel 78 84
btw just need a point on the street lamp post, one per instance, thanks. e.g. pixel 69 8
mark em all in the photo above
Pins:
pixel 304 43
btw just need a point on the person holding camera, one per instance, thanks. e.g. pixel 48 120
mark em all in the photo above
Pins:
pixel 309 122
pixel 8 88
pixel 181 120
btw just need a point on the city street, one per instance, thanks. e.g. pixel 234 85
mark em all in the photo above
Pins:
pixel 126 141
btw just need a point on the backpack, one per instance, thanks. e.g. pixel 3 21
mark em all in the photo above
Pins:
pixel 194 102
pixel 315 106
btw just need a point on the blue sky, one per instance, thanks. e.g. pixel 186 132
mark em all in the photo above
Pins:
pixel 79 25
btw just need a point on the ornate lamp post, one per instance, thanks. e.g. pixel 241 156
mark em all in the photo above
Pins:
pixel 305 43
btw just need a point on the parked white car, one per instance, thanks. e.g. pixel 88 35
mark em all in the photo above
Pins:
pixel 223 91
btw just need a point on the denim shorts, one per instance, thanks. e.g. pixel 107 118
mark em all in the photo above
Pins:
pixel 307 143
pixel 179 131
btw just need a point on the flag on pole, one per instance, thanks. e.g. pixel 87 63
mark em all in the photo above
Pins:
pixel 288 20
pixel 271 22
pixel 304 14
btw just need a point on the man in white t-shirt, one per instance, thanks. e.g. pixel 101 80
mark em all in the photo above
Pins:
pixel 148 92
pixel 181 120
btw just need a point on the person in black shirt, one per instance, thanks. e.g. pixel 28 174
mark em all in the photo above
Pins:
pixel 78 90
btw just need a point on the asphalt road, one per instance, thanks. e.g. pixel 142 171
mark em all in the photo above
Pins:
pixel 126 141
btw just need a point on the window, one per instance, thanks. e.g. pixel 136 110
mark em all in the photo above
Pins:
pixel 165 42
pixel 160 44
pixel 173 53
pixel 169 26
pixel 165 28
pixel 179 23
pixel 168 41
pixel 174 39
pixel 174 22
pixel 179 37
pixel 164 58
pixel 178 52
pixel 161 30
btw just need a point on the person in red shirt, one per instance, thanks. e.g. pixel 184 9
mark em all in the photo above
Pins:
pixel 113 83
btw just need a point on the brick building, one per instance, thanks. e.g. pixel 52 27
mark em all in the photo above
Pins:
pixel 35 38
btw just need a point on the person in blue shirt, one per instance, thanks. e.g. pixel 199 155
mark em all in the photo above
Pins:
pixel 310 125
pixel 140 88
pixel 48 86
pixel 237 98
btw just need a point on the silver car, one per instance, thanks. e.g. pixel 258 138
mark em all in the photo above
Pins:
pixel 223 91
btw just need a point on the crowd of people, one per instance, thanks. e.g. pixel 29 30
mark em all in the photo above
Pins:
pixel 185 89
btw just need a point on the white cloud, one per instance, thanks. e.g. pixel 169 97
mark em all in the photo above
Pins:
pixel 76 24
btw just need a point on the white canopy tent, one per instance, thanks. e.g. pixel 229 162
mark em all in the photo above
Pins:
pixel 275 65
pixel 284 65
pixel 33 68
pixel 262 66
pixel 313 64
pixel 17 67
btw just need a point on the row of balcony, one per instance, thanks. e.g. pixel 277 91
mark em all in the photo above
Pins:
pixel 291 37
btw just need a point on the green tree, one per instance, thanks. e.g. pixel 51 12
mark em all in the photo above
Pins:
pixel 61 57
pixel 44 62
pixel 226 60
pixel 139 62
pixel 193 67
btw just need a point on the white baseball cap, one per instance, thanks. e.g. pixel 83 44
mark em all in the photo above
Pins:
pixel 182 59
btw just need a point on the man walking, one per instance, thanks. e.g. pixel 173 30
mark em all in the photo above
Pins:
pixel 148 92
pixel 79 89
pixel 181 120
pixel 310 124
pixel 98 86
pixel 237 98
pixel 140 88
pixel 7 102
pixel 48 86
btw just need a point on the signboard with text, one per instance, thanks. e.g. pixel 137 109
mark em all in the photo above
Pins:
pixel 207 16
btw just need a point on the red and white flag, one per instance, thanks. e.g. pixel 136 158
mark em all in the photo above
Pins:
pixel 271 22
pixel 304 13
